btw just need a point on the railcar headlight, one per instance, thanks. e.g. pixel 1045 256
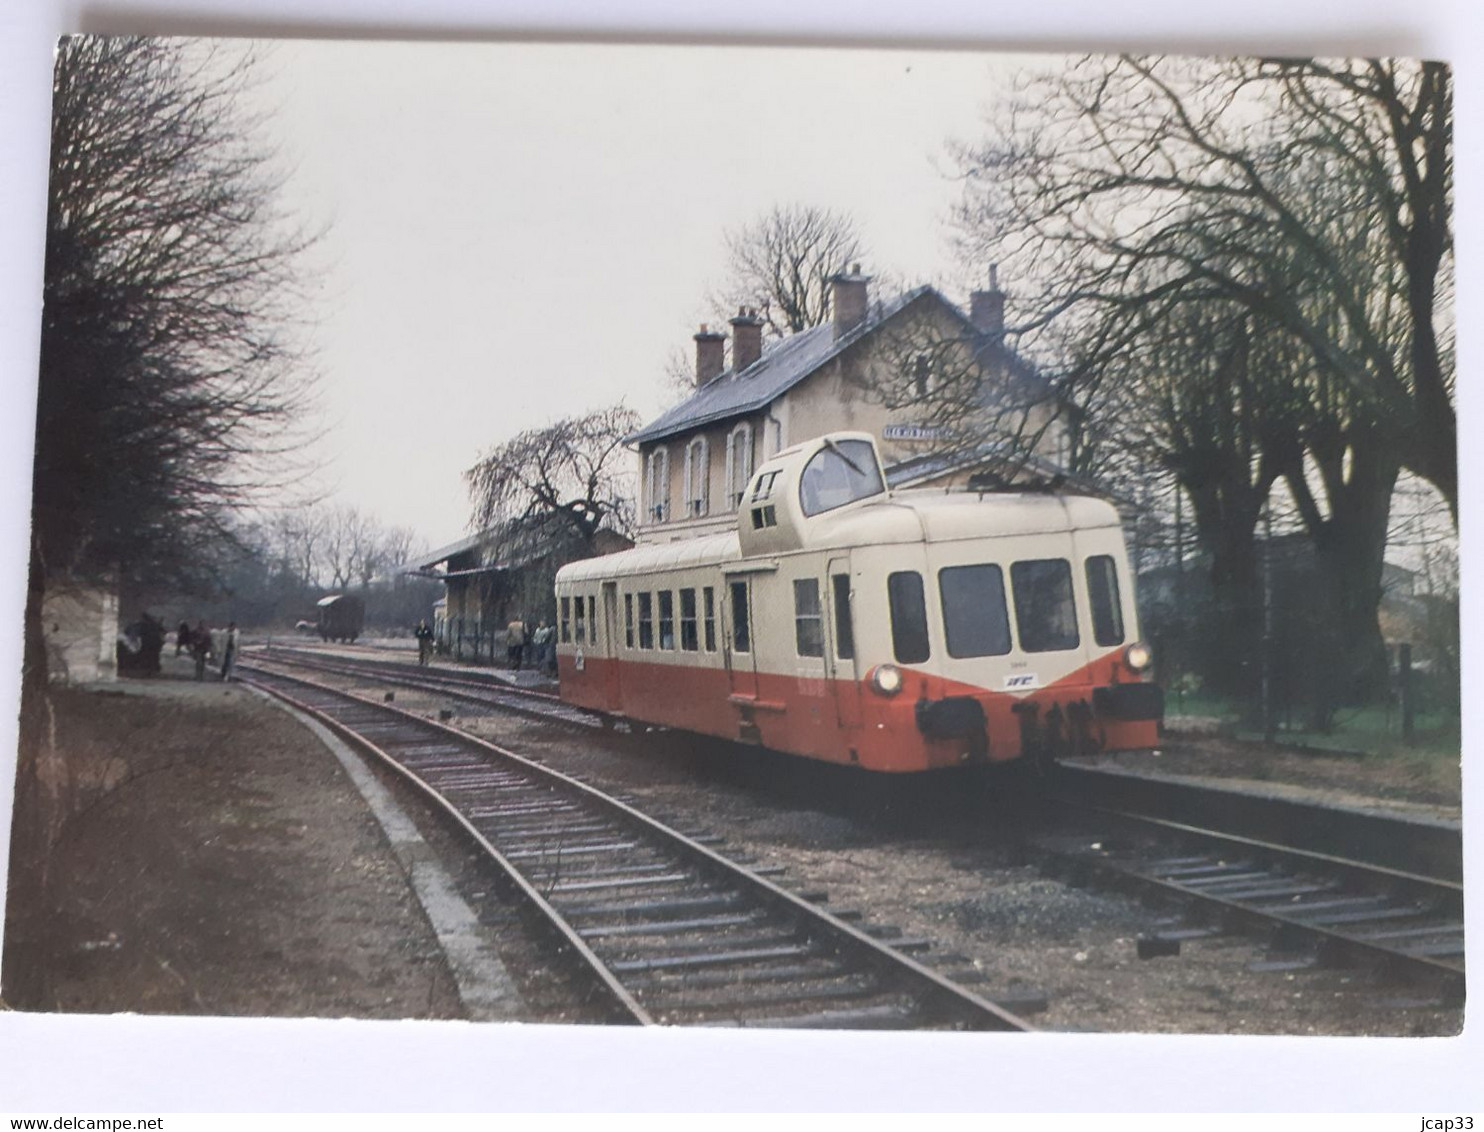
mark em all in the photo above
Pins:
pixel 1138 656
pixel 886 679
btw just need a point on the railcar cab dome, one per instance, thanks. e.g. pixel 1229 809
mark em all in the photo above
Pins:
pixel 821 476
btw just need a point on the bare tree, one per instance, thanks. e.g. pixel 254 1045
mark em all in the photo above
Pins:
pixel 565 481
pixel 295 538
pixel 398 546
pixel 1303 207
pixel 1129 184
pixel 171 383
pixel 782 263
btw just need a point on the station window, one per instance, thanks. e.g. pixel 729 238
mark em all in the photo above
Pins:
pixel 708 610
pixel 689 640
pixel 741 636
pixel 808 619
pixel 1102 592
pixel 1045 615
pixel 592 618
pixel 566 619
pixel 646 621
pixel 657 485
pixel 579 622
pixel 697 477
pixel 922 376
pixel 667 619
pixel 628 621
pixel 844 634
pixel 739 463
pixel 841 473
pixel 909 628
pixel 975 619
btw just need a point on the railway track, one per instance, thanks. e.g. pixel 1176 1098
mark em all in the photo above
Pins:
pixel 471 687
pixel 663 929
pixel 1324 884
pixel 1320 882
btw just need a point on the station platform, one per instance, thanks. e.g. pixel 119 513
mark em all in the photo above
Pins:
pixel 228 866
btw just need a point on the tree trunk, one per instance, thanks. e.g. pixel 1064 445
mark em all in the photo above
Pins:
pixel 1231 659
pixel 28 900
pixel 1349 658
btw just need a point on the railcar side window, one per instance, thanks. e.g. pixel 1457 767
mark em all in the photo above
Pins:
pixel 646 621
pixel 689 641
pixel 1045 614
pixel 628 621
pixel 566 620
pixel 579 625
pixel 909 629
pixel 808 620
pixel 708 608
pixel 764 486
pixel 741 637
pixel 667 619
pixel 844 634
pixel 975 620
pixel 1102 592
pixel 592 618
pixel 839 474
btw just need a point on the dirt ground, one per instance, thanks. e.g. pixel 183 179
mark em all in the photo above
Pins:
pixel 244 875
pixel 224 864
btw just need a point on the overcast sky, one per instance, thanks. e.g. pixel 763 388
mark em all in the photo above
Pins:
pixel 521 232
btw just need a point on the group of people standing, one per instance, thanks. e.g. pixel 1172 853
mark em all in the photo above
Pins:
pixel 199 644
pixel 537 647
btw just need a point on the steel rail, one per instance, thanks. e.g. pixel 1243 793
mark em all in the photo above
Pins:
pixel 531 702
pixel 1235 882
pixel 1425 847
pixel 472 677
pixel 932 999
pixel 628 1009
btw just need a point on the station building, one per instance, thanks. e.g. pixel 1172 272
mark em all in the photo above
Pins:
pixel 492 578
pixel 909 371
pixel 81 625
pixel 905 370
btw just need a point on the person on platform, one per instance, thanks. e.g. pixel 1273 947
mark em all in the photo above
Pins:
pixel 200 648
pixel 229 650
pixel 182 637
pixel 515 643
pixel 545 638
pixel 424 642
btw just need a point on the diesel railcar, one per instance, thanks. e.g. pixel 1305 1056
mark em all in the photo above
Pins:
pixel 897 631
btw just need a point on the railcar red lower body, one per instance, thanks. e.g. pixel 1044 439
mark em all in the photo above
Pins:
pixel 930 724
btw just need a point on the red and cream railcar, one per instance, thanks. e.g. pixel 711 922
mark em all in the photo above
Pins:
pixel 898 631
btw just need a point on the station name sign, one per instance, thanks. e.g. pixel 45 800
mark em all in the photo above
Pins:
pixel 913 432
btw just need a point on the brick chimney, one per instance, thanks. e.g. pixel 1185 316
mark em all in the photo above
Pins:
pixel 747 339
pixel 850 299
pixel 710 354
pixel 987 308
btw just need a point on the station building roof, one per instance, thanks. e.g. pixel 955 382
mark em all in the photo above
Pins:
pixel 443 554
pixel 783 365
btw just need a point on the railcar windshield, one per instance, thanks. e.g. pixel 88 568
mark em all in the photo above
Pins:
pixel 1045 614
pixel 840 473
pixel 975 619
